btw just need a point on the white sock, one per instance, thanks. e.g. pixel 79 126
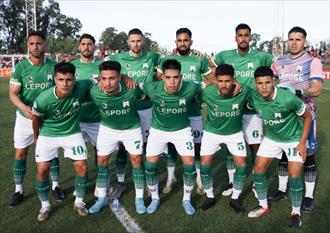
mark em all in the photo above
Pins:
pixel 101 192
pixel 19 188
pixel 198 178
pixel 231 173
pixel 295 210
pixel 139 193
pixel 45 204
pixel 309 189
pixel 154 191
pixel 55 184
pixel 121 178
pixel 78 200
pixel 282 183
pixel 170 173
pixel 187 190
pixel 263 203
pixel 236 193
pixel 209 193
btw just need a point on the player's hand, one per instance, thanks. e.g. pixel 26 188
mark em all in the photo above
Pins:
pixel 238 89
pixel 302 151
pixel 198 53
pixel 174 52
pixel 130 83
pixel 27 112
pixel 101 87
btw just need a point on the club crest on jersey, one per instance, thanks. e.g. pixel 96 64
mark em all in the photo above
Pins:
pixel 49 77
pixel 299 68
pixel 182 101
pixel 75 104
pixel 125 104
pixel 234 106
pixel 192 68
pixel 278 115
pixel 162 103
pixel 250 65
pixel 145 66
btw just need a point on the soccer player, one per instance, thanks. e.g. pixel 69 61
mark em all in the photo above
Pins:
pixel 224 125
pixel 29 78
pixel 245 61
pixel 171 97
pixel 193 69
pixel 120 122
pixel 303 75
pixel 138 65
pixel 56 125
pixel 281 112
pixel 87 67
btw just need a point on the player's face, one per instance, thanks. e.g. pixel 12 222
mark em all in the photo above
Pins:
pixel 243 38
pixel 135 43
pixel 296 43
pixel 183 43
pixel 225 84
pixel 64 84
pixel 110 81
pixel 86 48
pixel 172 80
pixel 36 46
pixel 265 86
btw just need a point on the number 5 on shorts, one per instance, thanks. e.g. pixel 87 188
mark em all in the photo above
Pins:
pixel 240 146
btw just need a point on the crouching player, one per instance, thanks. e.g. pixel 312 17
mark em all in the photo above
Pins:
pixel 56 125
pixel 120 123
pixel 281 112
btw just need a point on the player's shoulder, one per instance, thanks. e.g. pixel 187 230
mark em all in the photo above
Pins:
pixel 224 53
pixel 50 61
pixel 46 95
pixel 76 61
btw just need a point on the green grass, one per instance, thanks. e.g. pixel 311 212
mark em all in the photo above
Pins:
pixel 170 217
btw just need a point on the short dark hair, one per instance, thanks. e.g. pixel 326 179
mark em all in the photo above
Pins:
pixel 87 36
pixel 171 64
pixel 224 69
pixel 242 26
pixel 183 30
pixel 110 65
pixel 64 68
pixel 135 31
pixel 298 29
pixel 37 33
pixel 263 71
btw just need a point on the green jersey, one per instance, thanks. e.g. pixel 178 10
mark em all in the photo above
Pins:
pixel 88 112
pixel 118 111
pixel 244 65
pixel 192 69
pixel 280 115
pixel 33 79
pixel 140 68
pixel 170 112
pixel 60 116
pixel 224 113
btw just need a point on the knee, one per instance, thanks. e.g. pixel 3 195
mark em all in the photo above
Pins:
pixel 102 160
pixel 21 154
pixel 81 169
pixel 136 160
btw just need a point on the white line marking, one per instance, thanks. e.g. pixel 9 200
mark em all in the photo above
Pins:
pixel 126 220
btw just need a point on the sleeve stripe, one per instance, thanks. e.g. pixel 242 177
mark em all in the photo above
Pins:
pixel 300 112
pixel 316 78
pixel 36 112
pixel 15 83
pixel 214 63
pixel 159 70
pixel 207 72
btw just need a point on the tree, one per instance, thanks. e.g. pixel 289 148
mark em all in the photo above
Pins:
pixel 255 38
pixel 149 44
pixel 49 20
pixel 107 37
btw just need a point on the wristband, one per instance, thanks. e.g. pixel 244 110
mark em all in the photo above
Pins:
pixel 299 93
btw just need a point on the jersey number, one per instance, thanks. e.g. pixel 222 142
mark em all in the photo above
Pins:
pixel 240 146
pixel 189 145
pixel 77 150
pixel 137 144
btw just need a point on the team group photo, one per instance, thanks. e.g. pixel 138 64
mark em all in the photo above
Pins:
pixel 124 135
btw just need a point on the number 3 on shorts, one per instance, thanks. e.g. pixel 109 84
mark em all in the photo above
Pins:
pixel 189 145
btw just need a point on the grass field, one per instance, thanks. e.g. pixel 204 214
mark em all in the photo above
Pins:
pixel 170 217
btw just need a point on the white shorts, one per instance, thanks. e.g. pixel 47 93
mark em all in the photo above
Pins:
pixel 271 149
pixel 252 128
pixel 23 132
pixel 73 145
pixel 108 140
pixel 196 125
pixel 182 140
pixel 90 131
pixel 145 121
pixel 235 143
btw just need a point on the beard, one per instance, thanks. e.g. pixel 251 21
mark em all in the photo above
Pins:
pixel 183 50
pixel 87 54
pixel 243 46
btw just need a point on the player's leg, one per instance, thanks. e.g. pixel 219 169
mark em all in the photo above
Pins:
pixel 171 159
pixel 157 142
pixel 183 142
pixel 121 161
pixel 133 141
pixel 283 177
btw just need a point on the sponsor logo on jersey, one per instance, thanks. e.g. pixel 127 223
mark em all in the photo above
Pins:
pixel 36 86
pixel 126 104
pixel 162 103
pixel 292 77
pixel 235 106
pixel 145 66
pixel 104 105
pixel 117 112
pixel 75 104
pixel 278 115
pixel 227 114
pixel 274 122
pixel 192 68
pixel 244 74
pixel 30 79
pixel 250 65
pixel 215 107
pixel 128 66
pixel 191 77
pixel 172 110
pixel 182 101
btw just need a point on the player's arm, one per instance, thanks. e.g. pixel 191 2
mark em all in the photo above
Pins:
pixel 314 89
pixel 15 99
pixel 36 122
pixel 301 147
